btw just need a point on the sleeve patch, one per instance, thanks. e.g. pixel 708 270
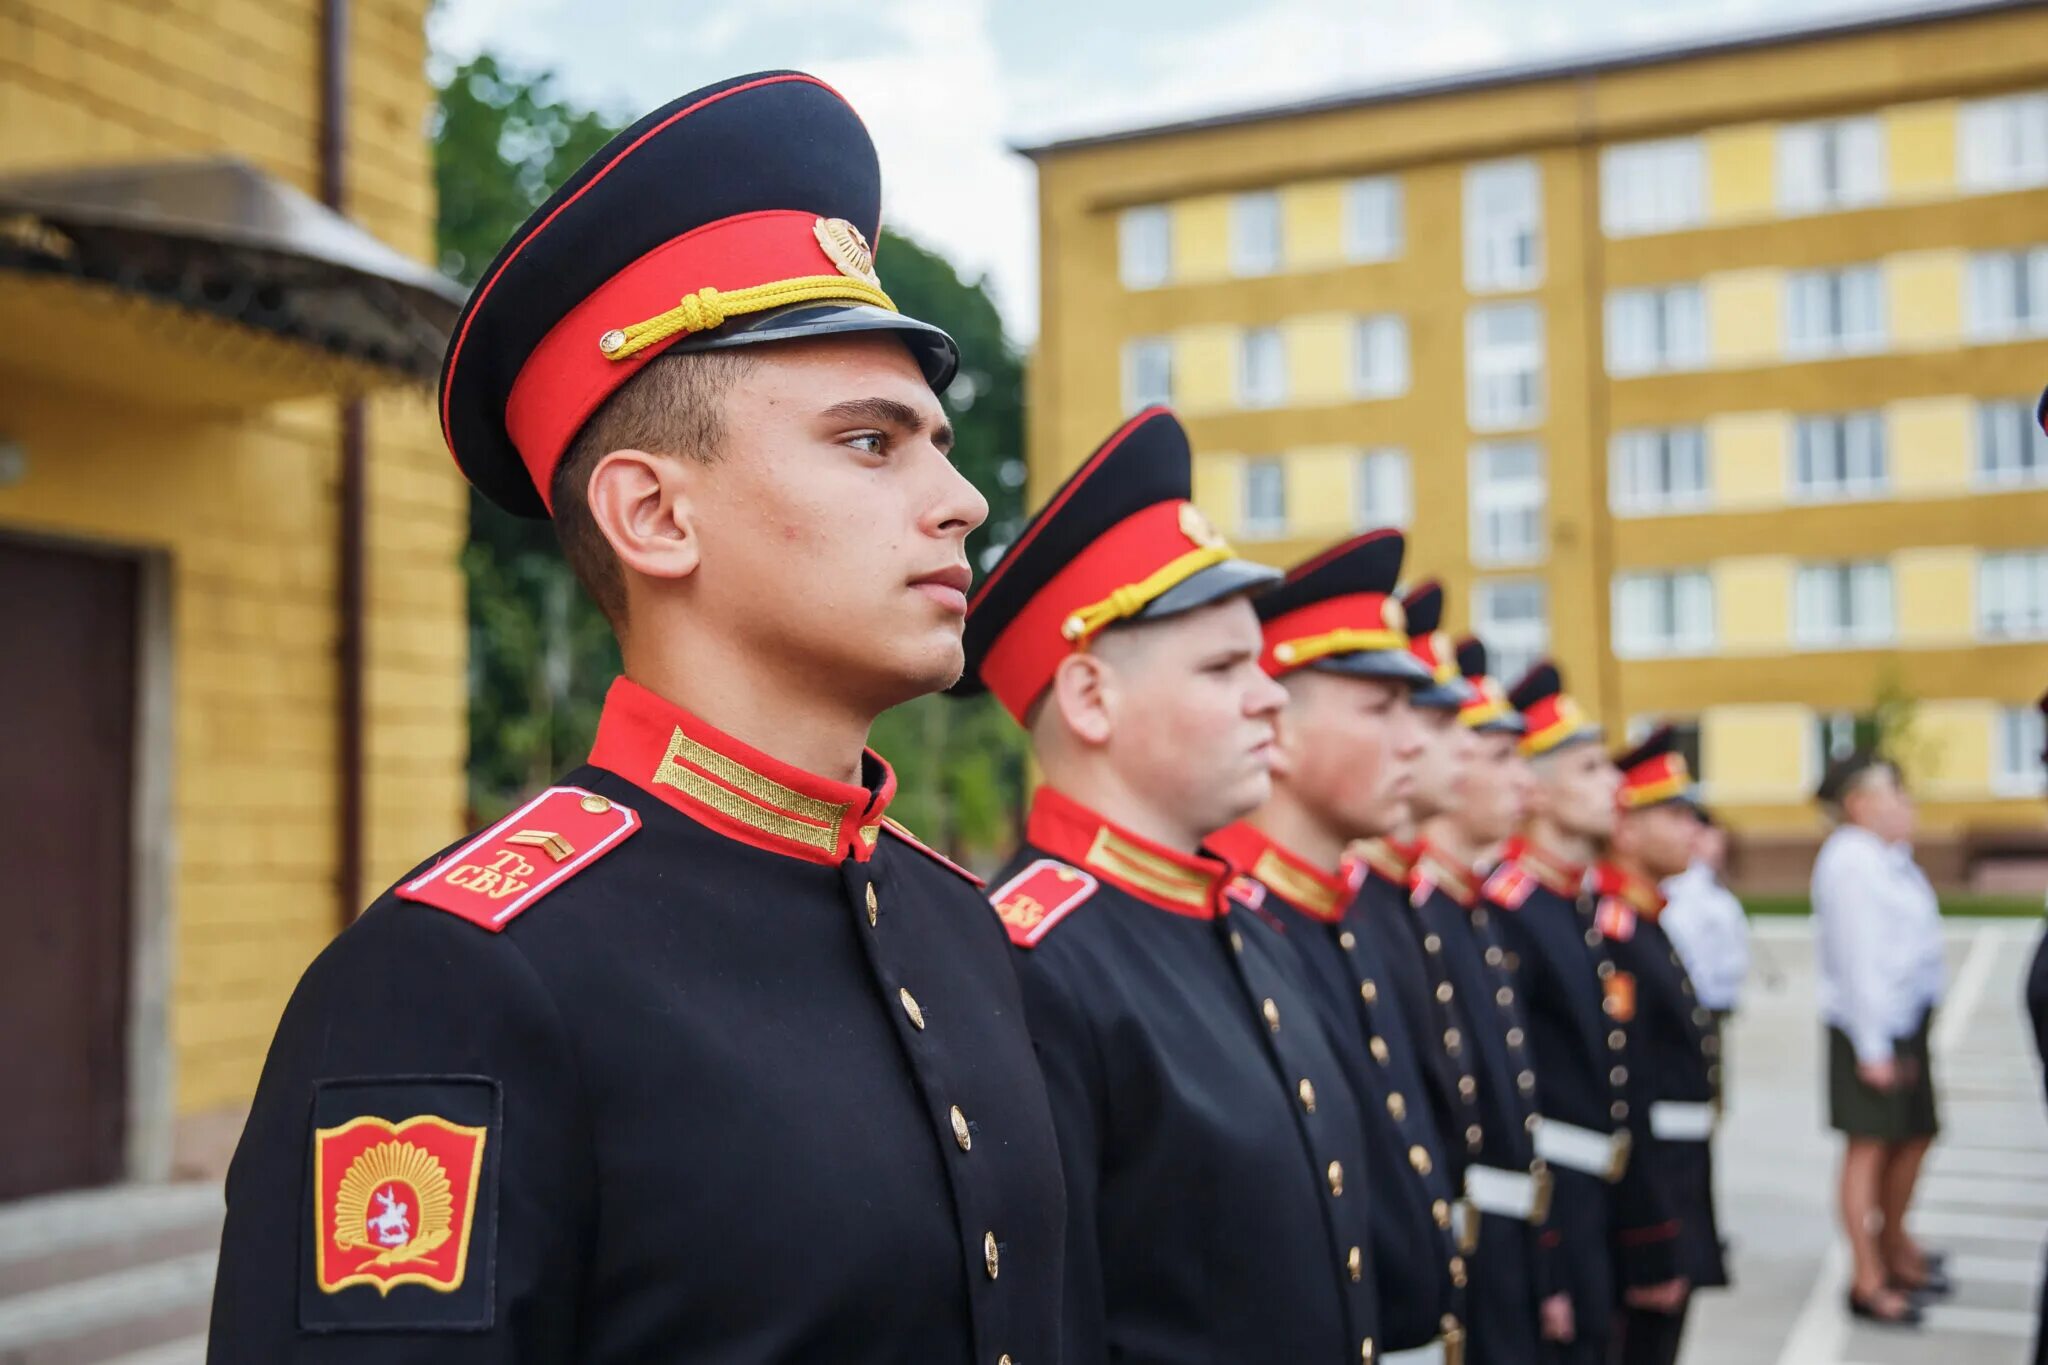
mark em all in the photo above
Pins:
pixel 511 865
pixel 1040 896
pixel 941 859
pixel 1509 886
pixel 403 1211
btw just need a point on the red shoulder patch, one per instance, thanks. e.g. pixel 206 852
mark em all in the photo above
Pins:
pixel 941 859
pixel 1033 901
pixel 504 870
pixel 1509 886
pixel 1615 919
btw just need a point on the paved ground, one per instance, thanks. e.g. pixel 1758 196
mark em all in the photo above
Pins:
pixel 1984 1196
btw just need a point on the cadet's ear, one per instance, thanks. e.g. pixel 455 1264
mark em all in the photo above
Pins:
pixel 1084 689
pixel 642 503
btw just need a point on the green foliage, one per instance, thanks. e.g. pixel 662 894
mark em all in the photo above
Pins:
pixel 1961 905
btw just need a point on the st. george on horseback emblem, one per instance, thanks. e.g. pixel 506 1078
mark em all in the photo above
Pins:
pixel 394 1202
pixel 847 249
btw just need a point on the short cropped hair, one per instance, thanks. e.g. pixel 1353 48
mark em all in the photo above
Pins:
pixel 1845 774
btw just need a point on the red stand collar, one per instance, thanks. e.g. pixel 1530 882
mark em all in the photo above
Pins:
pixel 734 788
pixel 1551 872
pixel 1159 876
pixel 1319 894
pixel 1460 883
pixel 1389 860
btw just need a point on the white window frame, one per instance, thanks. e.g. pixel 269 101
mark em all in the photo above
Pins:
pixel 1663 613
pixel 1862 443
pixel 1830 164
pixel 2005 294
pixel 1375 226
pixel 1656 330
pixel 1504 379
pixel 1503 212
pixel 2002 143
pixel 1261 348
pixel 2008 447
pixel 1258 475
pixel 1846 324
pixel 1144 252
pixel 1652 470
pixel 1379 356
pixel 2012 583
pixel 2016 743
pixel 1846 604
pixel 1654 186
pixel 1257 233
pixel 1139 353
pixel 1513 642
pixel 1496 502
pixel 1383 488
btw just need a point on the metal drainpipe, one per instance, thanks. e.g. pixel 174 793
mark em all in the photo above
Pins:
pixel 351 567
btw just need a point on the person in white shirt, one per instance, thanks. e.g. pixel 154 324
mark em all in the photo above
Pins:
pixel 1877 931
pixel 1707 923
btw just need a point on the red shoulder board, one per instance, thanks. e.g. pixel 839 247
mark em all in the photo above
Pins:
pixel 504 870
pixel 1615 919
pixel 941 859
pixel 1033 901
pixel 1509 886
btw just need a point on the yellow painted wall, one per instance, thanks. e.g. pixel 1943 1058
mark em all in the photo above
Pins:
pixel 1201 239
pixel 1934 592
pixel 242 506
pixel 1929 443
pixel 1746 455
pixel 1948 749
pixel 1319 480
pixel 1920 146
pixel 1318 358
pixel 1924 299
pixel 1312 224
pixel 1741 172
pixel 1744 316
pixel 1757 753
pixel 1753 604
pixel 1205 368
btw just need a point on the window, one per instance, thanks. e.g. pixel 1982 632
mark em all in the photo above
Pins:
pixel 1503 226
pixel 1834 312
pixel 1658 614
pixel 1839 456
pixel 2012 596
pixel 1261 368
pixel 1382 494
pixel 1837 734
pixel 1651 187
pixel 1832 164
pixel 1656 329
pixel 1372 219
pixel 1657 469
pixel 1262 498
pixel 1379 357
pixel 1835 605
pixel 1504 366
pixel 1148 372
pixel 2008 295
pixel 2004 142
pixel 2011 449
pixel 1508 498
pixel 1512 616
pixel 1144 247
pixel 2016 746
pixel 1255 233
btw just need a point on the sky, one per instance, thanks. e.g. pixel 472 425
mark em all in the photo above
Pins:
pixel 947 87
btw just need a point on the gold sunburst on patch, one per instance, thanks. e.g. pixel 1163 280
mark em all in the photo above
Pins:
pixel 397 1232
pixel 1196 527
pixel 847 249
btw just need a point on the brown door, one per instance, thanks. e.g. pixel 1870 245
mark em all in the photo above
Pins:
pixel 67 741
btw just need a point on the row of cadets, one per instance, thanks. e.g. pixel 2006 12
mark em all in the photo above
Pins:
pixel 1214 1160
pixel 1335 637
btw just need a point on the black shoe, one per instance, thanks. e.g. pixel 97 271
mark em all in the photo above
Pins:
pixel 1937 1285
pixel 1909 1316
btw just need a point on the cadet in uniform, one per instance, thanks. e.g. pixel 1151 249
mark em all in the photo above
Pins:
pixel 1675 1062
pixel 695 1056
pixel 1611 1232
pixel 1216 1200
pixel 1335 638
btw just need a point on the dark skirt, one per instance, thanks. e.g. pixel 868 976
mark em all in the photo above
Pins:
pixel 1901 1114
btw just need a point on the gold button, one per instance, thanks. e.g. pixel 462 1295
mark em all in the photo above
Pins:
pixel 1397 1105
pixel 1479 918
pixel 1611 1006
pixel 1474 1136
pixel 910 1007
pixel 1452 1042
pixel 1347 940
pixel 1493 957
pixel 1355 1263
pixel 1418 1157
pixel 1617 1040
pixel 1467 1087
pixel 874 906
pixel 596 805
pixel 1617 1075
pixel 1441 1211
pixel 1531 1122
pixel 1444 992
pixel 1452 1332
pixel 1272 1013
pixel 988 1254
pixel 1236 941
pixel 1515 1037
pixel 1004 1359
pixel 1365 1352
pixel 1710 1045
pixel 1432 943
pixel 1592 938
pixel 1367 991
pixel 611 342
pixel 1458 1271
pixel 1527 1081
pixel 960 1133
pixel 1605 969
pixel 1336 1174
pixel 1619 1109
pixel 1504 997
pixel 1379 1049
pixel 1307 1091
pixel 1700 1016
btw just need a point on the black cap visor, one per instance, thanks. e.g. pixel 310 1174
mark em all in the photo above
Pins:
pixel 1205 586
pixel 935 352
pixel 1391 665
pixel 1443 696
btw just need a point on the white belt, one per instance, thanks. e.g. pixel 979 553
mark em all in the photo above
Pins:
pixel 1681 1121
pixel 1507 1194
pixel 1583 1149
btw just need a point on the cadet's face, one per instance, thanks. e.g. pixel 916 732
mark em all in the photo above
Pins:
pixel 1576 791
pixel 1348 750
pixel 1660 838
pixel 1192 715
pixel 834 525
pixel 1447 750
pixel 1493 795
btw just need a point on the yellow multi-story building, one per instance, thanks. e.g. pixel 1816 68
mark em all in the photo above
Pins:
pixel 1708 371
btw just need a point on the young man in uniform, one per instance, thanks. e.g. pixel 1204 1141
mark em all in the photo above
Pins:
pixel 1213 1153
pixel 1335 638
pixel 1673 1062
pixel 696 1056
pixel 1612 1235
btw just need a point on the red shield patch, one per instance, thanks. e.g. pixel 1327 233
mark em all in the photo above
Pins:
pixel 1619 996
pixel 394 1202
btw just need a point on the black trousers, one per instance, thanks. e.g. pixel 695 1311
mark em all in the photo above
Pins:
pixel 1642 1338
pixel 2041 1325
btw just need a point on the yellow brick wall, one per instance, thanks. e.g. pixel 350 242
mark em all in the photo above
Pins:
pixel 1753 603
pixel 1920 146
pixel 1757 753
pixel 1312 224
pixel 1929 440
pixel 242 506
pixel 1924 299
pixel 1934 593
